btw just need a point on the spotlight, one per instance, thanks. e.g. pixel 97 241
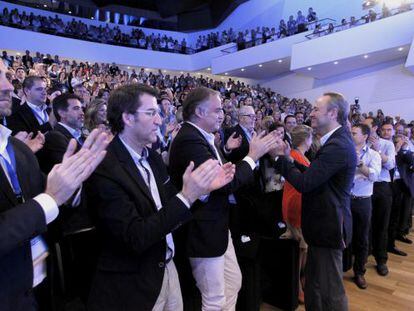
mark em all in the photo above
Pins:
pixel 208 68
pixel 400 49
pixel 226 73
pixel 279 61
pixel 260 65
pixel 242 69
pixel 336 62
pixel 309 68
pixel 365 56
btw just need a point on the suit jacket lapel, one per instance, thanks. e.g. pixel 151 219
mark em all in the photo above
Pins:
pixel 158 179
pixel 195 130
pixel 130 167
pixel 68 135
pixel 7 189
pixel 29 117
pixel 23 180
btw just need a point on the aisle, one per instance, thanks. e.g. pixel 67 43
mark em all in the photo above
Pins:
pixel 395 292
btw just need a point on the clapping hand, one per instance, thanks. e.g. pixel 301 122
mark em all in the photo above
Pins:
pixel 208 177
pixel 233 142
pixel 66 177
pixel 35 144
pixel 261 144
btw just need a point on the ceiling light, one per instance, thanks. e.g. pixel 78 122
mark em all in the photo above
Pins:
pixel 260 65
pixel 336 62
pixel 208 68
pixel 129 67
pixel 309 68
pixel 279 61
pixel 45 5
pixel 365 56
pixel 226 73
pixel 400 49
pixel 242 69
pixel 70 12
pixel 92 17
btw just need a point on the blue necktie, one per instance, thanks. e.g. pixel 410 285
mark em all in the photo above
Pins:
pixel 11 170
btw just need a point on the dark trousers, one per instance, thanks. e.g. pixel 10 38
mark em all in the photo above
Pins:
pixel 249 297
pixel 324 288
pixel 381 210
pixel 361 218
pixel 401 205
pixel 42 296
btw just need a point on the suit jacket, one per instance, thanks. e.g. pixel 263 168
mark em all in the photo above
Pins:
pixel 19 223
pixel 207 234
pixel 24 120
pixel 325 188
pixel 239 153
pixel 56 142
pixel 132 231
pixel 405 164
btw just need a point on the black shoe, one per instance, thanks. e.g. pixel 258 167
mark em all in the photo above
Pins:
pixel 359 280
pixel 404 239
pixel 396 251
pixel 382 269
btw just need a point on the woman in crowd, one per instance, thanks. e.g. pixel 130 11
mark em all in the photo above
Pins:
pixel 95 115
pixel 292 199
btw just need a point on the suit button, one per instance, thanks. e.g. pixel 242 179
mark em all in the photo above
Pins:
pixel 161 264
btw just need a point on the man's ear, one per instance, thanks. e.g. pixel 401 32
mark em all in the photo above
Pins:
pixel 128 118
pixel 200 112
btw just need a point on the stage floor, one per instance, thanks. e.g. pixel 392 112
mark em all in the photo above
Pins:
pixel 395 292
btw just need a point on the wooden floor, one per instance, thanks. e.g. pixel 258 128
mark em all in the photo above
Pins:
pixel 395 292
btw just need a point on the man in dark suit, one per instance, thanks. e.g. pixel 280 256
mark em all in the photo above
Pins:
pixel 205 241
pixel 326 213
pixel 67 109
pixel 244 215
pixel 136 208
pixel 403 192
pixel 33 115
pixel 27 206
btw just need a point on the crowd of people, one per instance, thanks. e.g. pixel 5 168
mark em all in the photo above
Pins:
pixel 371 16
pixel 157 42
pixel 245 158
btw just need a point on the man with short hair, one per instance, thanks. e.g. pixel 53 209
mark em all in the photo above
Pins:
pixel 136 209
pixel 206 240
pixel 367 172
pixel 300 118
pixel 68 111
pixel 382 195
pixel 33 115
pixel 29 203
pixel 326 215
pixel 290 123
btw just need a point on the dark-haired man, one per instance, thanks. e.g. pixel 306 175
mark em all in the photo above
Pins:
pixel 137 209
pixel 367 172
pixel 326 214
pixel 67 109
pixel 33 115
pixel 382 195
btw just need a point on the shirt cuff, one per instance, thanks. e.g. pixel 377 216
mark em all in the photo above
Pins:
pixel 48 205
pixel 184 200
pixel 250 161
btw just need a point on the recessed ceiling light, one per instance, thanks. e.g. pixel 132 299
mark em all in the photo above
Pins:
pixel 208 68
pixel 92 17
pixel 336 62
pixel 400 49
pixel 280 60
pixel 260 65
pixel 45 5
pixel 365 56
pixel 309 68
pixel 242 69
pixel 226 73
pixel 129 67
pixel 70 12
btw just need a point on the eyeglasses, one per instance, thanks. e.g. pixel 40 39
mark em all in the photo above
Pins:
pixel 150 112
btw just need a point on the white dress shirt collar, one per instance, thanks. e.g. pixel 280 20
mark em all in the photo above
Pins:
pixel 75 133
pixel 208 136
pixel 325 137
pixel 4 138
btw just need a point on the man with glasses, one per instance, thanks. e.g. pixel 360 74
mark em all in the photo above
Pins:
pixel 136 209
